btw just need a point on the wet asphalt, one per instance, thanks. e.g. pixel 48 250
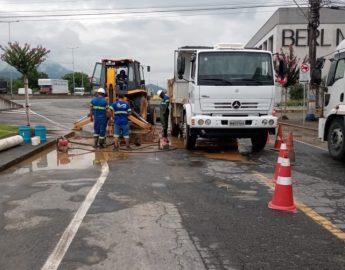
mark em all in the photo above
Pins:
pixel 205 209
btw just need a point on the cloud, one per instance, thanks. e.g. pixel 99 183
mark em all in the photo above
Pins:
pixel 149 39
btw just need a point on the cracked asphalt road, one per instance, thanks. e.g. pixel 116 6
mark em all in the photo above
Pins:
pixel 172 210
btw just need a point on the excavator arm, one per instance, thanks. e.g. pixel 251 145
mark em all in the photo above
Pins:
pixel 78 125
pixel 134 118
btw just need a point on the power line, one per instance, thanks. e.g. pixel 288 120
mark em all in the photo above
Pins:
pixel 110 17
pixel 134 11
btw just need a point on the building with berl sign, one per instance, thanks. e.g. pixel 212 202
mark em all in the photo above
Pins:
pixel 289 26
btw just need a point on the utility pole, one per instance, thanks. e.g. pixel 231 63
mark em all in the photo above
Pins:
pixel 73 48
pixel 9 41
pixel 313 24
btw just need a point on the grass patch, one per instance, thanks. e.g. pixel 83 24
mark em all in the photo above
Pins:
pixel 7 130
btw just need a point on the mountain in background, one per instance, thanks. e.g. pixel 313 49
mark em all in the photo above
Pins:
pixel 153 88
pixel 54 70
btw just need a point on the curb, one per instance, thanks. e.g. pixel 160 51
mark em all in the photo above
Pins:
pixel 35 151
pixel 297 126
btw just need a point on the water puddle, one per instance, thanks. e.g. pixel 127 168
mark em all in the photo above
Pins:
pixel 230 156
pixel 80 157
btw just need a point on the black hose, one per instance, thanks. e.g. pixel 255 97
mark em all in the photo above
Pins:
pixel 123 150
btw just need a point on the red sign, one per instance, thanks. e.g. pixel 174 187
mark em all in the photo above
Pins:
pixel 304 68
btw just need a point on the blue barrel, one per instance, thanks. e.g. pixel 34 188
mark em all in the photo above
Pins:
pixel 40 131
pixel 24 131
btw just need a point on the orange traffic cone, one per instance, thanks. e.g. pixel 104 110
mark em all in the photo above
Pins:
pixel 279 138
pixel 282 152
pixel 268 141
pixel 283 196
pixel 291 148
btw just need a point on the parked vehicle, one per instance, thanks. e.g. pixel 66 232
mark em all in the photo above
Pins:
pixel 3 87
pixel 53 86
pixel 21 91
pixel 222 91
pixel 332 126
pixel 79 91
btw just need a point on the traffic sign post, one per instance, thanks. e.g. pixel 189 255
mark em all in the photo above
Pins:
pixel 304 73
pixel 304 78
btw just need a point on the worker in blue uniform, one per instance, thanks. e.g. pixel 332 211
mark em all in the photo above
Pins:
pixel 98 114
pixel 121 112
pixel 164 111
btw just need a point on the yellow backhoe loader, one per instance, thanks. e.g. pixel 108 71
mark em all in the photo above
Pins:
pixel 124 76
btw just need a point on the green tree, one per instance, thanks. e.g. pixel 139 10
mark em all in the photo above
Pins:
pixel 25 59
pixel 81 79
pixel 296 92
pixel 33 77
pixel 16 84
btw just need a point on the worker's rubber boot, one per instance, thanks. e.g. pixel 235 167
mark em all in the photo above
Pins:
pixel 95 142
pixel 102 143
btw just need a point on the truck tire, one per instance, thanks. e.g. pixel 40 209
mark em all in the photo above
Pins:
pixel 175 129
pixel 189 139
pixel 259 141
pixel 335 139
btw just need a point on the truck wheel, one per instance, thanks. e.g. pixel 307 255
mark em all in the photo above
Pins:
pixel 189 139
pixel 335 139
pixel 259 141
pixel 175 129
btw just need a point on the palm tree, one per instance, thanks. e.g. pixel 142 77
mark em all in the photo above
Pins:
pixel 287 71
pixel 25 59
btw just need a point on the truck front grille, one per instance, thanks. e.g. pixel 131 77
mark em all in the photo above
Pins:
pixel 228 105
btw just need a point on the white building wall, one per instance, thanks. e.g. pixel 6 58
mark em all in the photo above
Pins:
pixel 297 35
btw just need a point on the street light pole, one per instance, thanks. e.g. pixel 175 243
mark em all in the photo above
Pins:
pixel 73 48
pixel 9 41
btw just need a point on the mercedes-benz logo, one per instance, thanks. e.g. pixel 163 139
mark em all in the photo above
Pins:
pixel 236 104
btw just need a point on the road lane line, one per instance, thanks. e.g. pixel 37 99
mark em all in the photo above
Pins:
pixel 67 237
pixel 311 145
pixel 49 120
pixel 324 222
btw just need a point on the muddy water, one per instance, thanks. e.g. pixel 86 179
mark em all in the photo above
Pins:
pixel 51 159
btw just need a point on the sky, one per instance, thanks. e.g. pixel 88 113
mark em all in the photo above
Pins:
pixel 146 30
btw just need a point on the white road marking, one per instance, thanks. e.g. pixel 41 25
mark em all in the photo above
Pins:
pixel 49 120
pixel 67 237
pixel 22 111
pixel 312 145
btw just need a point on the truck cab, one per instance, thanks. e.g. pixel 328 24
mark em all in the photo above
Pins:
pixel 332 126
pixel 226 91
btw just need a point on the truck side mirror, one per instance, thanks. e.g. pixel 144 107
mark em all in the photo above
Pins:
pixel 148 68
pixel 316 74
pixel 180 66
pixel 281 69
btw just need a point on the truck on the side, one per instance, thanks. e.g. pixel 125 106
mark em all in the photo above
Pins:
pixel 53 86
pixel 222 91
pixel 3 87
pixel 332 126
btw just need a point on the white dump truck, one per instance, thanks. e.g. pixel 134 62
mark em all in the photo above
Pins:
pixel 53 86
pixel 222 91
pixel 332 126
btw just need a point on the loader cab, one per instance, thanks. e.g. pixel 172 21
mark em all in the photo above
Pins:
pixel 108 72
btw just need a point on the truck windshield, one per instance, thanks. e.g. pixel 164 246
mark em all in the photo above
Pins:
pixel 235 68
